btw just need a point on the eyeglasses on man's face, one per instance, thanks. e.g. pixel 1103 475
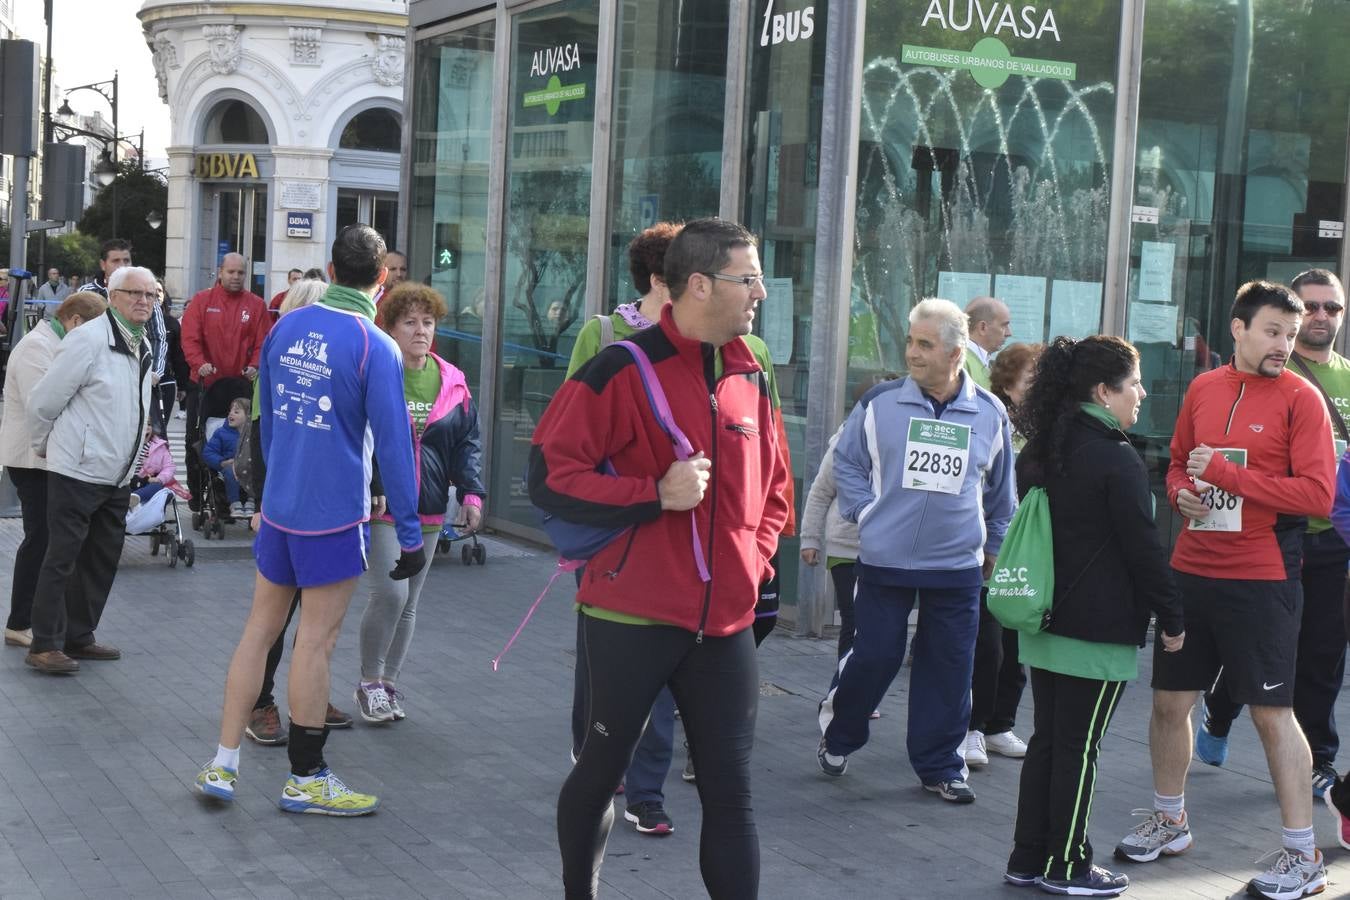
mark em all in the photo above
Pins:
pixel 136 295
pixel 749 282
pixel 1311 307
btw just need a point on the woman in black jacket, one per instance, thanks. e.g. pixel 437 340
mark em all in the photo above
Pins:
pixel 1111 574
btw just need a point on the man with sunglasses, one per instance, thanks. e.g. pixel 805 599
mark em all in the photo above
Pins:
pixel 1321 642
pixel 87 417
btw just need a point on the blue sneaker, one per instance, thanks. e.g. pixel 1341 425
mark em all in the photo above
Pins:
pixel 1210 750
pixel 1323 778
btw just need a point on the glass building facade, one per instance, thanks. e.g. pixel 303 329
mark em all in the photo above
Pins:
pixel 1099 165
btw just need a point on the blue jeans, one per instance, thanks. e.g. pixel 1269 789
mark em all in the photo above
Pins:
pixel 231 484
pixel 939 685
pixel 646 774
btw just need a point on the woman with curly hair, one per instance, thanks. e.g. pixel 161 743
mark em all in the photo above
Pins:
pixel 1111 574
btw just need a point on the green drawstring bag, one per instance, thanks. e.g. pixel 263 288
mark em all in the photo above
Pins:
pixel 1022 586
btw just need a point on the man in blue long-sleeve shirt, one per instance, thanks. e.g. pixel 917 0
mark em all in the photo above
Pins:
pixel 925 467
pixel 329 385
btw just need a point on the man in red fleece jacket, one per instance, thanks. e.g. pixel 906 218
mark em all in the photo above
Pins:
pixel 1252 458
pixel 650 619
pixel 222 334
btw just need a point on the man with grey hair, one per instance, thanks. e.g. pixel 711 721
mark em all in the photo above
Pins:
pixel 930 525
pixel 990 327
pixel 87 417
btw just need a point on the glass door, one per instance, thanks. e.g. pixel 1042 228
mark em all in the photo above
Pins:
pixel 548 188
pixel 378 209
pixel 240 218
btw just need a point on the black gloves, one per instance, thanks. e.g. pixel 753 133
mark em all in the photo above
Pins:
pixel 410 562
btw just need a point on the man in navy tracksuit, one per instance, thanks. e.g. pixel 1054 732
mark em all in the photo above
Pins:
pixel 925 467
pixel 329 384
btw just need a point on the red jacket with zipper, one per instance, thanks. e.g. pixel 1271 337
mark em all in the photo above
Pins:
pixel 1283 425
pixel 224 329
pixel 601 413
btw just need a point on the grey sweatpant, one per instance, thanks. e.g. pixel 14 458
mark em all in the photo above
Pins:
pixel 387 626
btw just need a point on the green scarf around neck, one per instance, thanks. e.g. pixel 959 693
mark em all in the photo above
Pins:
pixel 136 331
pixel 349 299
pixel 1101 414
pixel 56 326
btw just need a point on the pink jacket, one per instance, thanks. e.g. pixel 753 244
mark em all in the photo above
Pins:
pixel 159 465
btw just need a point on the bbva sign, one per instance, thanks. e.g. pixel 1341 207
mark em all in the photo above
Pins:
pixel 225 165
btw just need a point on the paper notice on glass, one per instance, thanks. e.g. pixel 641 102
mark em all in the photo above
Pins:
pixel 1155 271
pixel 1024 296
pixel 1075 308
pixel 776 315
pixel 1153 323
pixel 962 287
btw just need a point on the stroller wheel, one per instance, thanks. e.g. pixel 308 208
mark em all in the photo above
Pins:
pixel 480 554
pixel 197 520
pixel 220 530
pixel 154 544
pixel 466 554
pixel 172 554
pixel 188 552
pixel 443 546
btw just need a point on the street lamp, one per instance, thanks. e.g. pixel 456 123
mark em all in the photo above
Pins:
pixel 105 171
pixel 154 219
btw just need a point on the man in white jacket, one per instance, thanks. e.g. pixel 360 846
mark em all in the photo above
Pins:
pixel 28 362
pixel 86 418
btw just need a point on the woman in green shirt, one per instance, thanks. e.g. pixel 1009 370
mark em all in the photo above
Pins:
pixel 1111 575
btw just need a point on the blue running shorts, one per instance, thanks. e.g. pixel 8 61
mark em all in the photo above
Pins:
pixel 310 560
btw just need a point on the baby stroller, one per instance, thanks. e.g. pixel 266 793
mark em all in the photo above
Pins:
pixel 212 512
pixel 158 518
pixel 471 551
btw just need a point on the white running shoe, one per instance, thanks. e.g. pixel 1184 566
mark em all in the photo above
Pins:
pixel 1290 877
pixel 372 702
pixel 974 751
pixel 1006 744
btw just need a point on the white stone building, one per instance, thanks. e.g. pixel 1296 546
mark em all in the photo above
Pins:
pixel 286 121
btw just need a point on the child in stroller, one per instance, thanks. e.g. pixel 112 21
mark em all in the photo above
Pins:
pixel 157 469
pixel 220 451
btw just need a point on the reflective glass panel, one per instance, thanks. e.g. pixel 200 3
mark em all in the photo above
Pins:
pixel 548 185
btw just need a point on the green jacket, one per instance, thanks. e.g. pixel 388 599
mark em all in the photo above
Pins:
pixel 976 369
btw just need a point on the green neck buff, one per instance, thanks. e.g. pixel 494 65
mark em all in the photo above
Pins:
pixel 1101 414
pixel 136 331
pixel 58 327
pixel 349 299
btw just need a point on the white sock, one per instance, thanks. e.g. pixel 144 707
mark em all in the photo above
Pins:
pixel 226 758
pixel 1301 839
pixel 1172 807
pixel 302 779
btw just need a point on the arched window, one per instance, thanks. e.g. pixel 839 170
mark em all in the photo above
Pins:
pixel 375 129
pixel 235 122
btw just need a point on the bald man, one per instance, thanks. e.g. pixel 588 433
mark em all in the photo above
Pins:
pixel 990 328
pixel 222 334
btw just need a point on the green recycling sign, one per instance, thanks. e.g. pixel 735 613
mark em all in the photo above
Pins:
pixel 989 62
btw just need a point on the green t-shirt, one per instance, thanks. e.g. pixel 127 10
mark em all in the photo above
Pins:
pixel 1082 659
pixel 421 387
pixel 1334 376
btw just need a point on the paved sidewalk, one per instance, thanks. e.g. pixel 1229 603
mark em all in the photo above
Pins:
pixel 95 769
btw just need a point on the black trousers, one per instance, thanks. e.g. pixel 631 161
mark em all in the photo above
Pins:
pixel 84 544
pixel 1321 651
pixel 265 697
pixel 1059 773
pixel 845 578
pixel 31 486
pixel 716 685
pixel 998 680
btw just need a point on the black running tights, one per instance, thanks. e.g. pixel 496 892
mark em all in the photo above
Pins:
pixel 716 686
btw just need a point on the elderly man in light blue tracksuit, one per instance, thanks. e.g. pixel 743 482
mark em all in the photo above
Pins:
pixel 925 467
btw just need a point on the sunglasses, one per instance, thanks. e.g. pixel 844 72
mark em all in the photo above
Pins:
pixel 1333 308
